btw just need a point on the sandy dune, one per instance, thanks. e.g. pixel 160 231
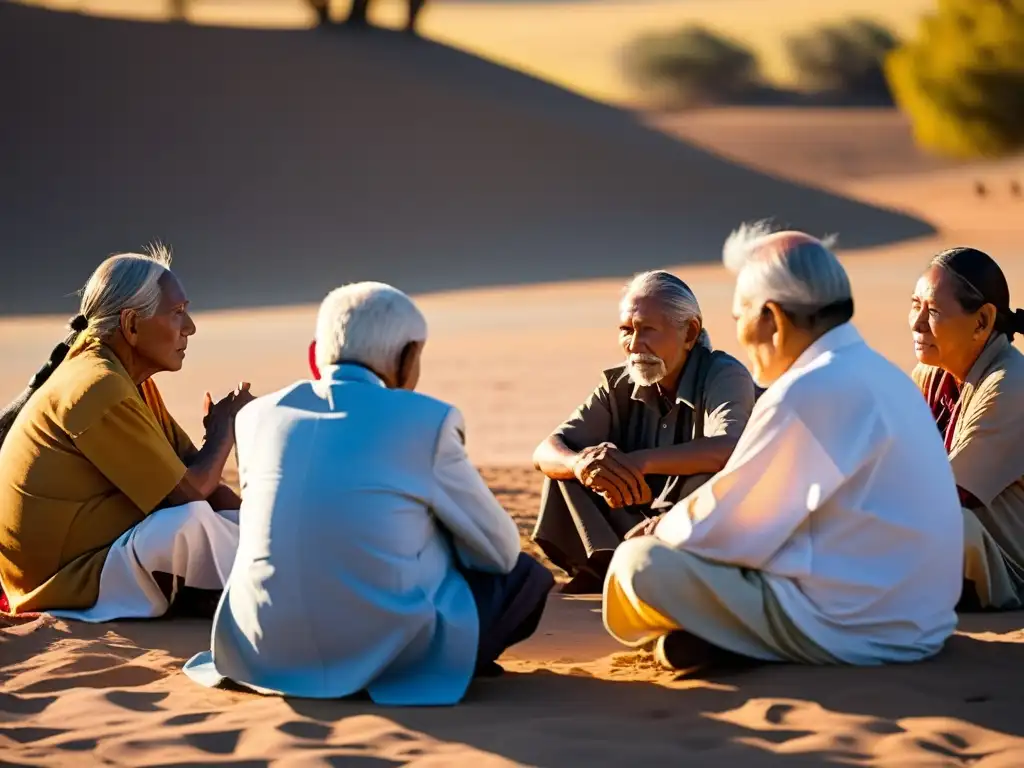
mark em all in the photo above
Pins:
pixel 281 162
pixel 277 174
pixel 575 43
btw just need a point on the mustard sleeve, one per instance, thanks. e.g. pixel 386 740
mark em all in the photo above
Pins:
pixel 129 448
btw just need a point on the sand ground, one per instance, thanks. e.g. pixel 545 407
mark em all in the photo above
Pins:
pixel 516 360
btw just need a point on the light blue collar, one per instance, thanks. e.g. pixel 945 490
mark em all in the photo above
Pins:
pixel 351 372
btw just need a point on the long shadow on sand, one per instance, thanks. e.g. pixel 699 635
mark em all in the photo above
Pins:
pixel 956 709
pixel 278 164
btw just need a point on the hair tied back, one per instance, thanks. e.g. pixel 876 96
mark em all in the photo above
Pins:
pixel 1018 321
pixel 79 323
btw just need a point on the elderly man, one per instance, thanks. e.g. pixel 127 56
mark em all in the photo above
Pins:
pixel 655 429
pixel 833 534
pixel 372 556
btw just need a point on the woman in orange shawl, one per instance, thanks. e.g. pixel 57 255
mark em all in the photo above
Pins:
pixel 107 509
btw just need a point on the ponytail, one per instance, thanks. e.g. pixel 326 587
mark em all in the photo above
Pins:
pixel 10 412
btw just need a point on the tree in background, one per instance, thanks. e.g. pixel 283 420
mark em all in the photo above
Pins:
pixel 961 80
pixel 690 66
pixel 844 59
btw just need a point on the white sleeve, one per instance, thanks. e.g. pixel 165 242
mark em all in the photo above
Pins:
pixel 485 536
pixel 778 475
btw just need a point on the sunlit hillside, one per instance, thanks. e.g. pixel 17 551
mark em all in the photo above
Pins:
pixel 573 43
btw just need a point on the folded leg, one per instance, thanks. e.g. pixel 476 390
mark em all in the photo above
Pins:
pixel 509 607
pixel 653 590
pixel 992 581
pixel 186 550
pixel 578 531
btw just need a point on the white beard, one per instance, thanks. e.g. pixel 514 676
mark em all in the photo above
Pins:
pixel 645 370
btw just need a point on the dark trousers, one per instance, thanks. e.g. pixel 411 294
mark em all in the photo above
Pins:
pixel 510 606
pixel 576 528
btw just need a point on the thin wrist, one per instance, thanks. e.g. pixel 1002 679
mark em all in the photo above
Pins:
pixel 640 459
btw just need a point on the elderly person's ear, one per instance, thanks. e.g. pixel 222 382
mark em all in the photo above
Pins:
pixel 986 320
pixel 408 374
pixel 129 325
pixel 693 329
pixel 772 318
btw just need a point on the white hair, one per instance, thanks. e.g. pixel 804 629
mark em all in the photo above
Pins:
pixel 124 281
pixel 805 276
pixel 673 293
pixel 368 323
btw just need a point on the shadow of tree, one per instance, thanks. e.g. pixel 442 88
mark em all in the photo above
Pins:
pixel 279 163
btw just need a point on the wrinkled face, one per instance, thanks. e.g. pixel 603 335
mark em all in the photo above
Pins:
pixel 756 333
pixel 655 346
pixel 944 334
pixel 161 340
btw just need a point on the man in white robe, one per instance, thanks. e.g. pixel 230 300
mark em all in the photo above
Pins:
pixel 372 555
pixel 833 534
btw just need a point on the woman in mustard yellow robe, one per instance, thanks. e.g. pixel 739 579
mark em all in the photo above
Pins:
pixel 105 503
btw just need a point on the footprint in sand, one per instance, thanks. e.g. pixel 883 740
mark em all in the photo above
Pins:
pixel 191 719
pixel 306 729
pixel 122 675
pixel 137 701
pixel 14 704
pixel 30 735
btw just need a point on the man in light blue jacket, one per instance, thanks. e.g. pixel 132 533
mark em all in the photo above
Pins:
pixel 372 555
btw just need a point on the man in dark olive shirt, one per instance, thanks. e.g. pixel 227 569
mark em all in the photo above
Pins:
pixel 653 430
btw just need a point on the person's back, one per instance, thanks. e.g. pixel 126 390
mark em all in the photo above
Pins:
pixel 833 533
pixel 340 562
pixel 875 570
pixel 372 555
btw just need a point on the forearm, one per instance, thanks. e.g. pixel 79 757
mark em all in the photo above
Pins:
pixel 205 469
pixel 706 455
pixel 555 459
pixel 224 498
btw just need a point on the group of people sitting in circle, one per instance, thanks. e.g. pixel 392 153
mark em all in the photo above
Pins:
pixel 827 509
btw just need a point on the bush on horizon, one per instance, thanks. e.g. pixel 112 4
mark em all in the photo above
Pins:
pixel 846 59
pixel 961 80
pixel 689 67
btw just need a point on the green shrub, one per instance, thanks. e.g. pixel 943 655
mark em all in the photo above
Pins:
pixel 690 66
pixel 961 80
pixel 843 58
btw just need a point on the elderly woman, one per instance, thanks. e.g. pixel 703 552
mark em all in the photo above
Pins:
pixel 973 379
pixel 832 535
pixel 105 503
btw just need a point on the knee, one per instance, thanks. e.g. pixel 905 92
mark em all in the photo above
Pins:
pixel 533 570
pixel 195 514
pixel 637 563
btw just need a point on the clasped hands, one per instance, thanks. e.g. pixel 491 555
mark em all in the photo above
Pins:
pixel 618 479
pixel 613 475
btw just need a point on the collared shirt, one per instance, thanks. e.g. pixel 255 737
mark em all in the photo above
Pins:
pixel 840 493
pixel 714 397
pixel 356 501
